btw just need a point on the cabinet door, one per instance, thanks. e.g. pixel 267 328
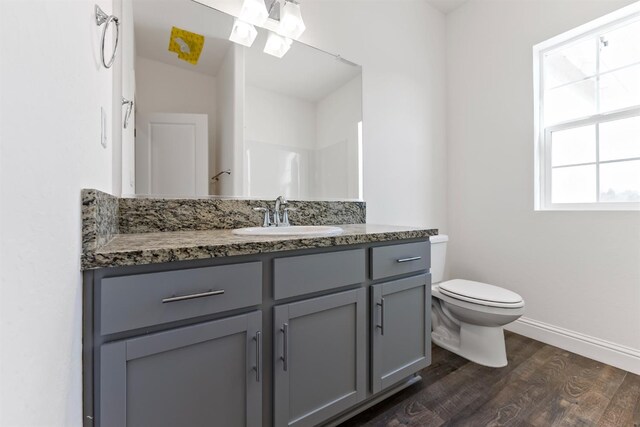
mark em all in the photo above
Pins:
pixel 201 375
pixel 401 329
pixel 319 357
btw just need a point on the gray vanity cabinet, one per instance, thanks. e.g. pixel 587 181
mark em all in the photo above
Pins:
pixel 200 375
pixel 180 344
pixel 319 357
pixel 401 328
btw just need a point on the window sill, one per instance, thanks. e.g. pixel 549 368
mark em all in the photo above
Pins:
pixel 589 207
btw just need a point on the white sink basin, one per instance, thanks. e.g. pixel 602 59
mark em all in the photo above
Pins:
pixel 294 230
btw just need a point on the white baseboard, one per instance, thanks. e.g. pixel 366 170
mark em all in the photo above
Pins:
pixel 607 352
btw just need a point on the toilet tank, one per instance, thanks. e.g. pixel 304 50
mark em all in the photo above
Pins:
pixel 438 255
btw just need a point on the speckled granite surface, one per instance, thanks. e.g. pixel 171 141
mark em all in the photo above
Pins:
pixel 135 231
pixel 99 219
pixel 148 215
pixel 151 248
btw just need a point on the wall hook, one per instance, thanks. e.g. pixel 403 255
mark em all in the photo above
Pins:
pixel 127 114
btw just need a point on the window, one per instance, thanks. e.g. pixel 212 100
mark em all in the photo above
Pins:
pixel 587 95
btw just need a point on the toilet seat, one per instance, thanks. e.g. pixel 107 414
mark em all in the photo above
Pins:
pixel 481 293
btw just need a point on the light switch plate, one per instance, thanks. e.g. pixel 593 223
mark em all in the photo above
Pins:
pixel 103 127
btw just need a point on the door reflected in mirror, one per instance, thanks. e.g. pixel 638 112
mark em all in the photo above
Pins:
pixel 217 118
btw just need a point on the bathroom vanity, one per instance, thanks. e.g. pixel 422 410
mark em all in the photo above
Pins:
pixel 241 330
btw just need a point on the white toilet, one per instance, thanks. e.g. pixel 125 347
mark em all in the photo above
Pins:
pixel 467 317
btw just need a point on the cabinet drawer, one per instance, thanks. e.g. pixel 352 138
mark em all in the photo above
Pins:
pixel 130 302
pixel 299 275
pixel 387 261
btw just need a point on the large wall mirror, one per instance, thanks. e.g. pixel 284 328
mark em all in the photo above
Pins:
pixel 240 122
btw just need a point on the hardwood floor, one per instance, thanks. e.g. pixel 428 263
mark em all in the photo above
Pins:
pixel 542 386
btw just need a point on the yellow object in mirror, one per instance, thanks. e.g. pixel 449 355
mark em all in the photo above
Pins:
pixel 186 44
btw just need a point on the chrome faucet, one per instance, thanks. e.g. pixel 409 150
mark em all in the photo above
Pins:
pixel 276 212
pixel 278 221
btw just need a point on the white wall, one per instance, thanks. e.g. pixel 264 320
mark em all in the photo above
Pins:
pixel 579 271
pixel 306 149
pixel 337 169
pixel 229 80
pixel 52 88
pixel 127 58
pixel 164 88
pixel 116 107
pixel 400 45
pixel 280 133
pixel 276 118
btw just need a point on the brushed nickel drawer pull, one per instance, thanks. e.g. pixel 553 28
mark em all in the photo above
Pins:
pixel 193 296
pixel 413 258
pixel 285 346
pixel 258 367
pixel 381 325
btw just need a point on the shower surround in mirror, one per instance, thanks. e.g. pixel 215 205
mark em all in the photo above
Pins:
pixel 287 126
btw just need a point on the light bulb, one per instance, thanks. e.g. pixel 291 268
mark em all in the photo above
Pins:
pixel 243 33
pixel 277 45
pixel 291 24
pixel 254 12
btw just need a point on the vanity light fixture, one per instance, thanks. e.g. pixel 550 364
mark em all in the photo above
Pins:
pixel 254 12
pixel 291 24
pixel 277 45
pixel 243 33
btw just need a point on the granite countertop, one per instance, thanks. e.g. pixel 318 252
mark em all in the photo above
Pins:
pixel 166 246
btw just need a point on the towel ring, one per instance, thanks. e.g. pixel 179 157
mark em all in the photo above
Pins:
pixel 127 114
pixel 103 18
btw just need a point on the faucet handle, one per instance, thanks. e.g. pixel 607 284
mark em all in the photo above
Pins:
pixel 266 221
pixel 285 216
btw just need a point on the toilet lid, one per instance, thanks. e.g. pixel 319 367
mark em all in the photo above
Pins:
pixel 481 293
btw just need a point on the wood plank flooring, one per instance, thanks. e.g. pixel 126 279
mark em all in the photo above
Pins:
pixel 542 386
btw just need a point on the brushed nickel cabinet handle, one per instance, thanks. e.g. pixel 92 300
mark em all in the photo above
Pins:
pixel 258 367
pixel 285 346
pixel 381 325
pixel 192 296
pixel 413 258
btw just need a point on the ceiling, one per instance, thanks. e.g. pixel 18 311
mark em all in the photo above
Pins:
pixel 304 72
pixel 153 20
pixel 446 6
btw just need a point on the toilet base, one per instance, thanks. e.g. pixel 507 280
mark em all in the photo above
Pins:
pixel 483 345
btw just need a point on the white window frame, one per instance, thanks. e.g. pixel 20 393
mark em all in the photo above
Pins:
pixel 542 153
